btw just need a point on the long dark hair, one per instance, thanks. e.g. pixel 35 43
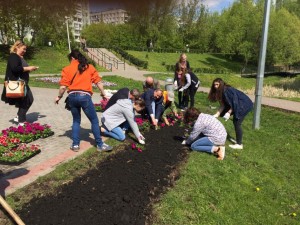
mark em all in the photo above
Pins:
pixel 83 62
pixel 217 94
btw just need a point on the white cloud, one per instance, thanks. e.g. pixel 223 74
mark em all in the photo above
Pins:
pixel 217 5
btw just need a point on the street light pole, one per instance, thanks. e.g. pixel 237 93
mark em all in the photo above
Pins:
pixel 261 66
pixel 67 22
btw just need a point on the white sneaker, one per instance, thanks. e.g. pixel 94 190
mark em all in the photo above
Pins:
pixel 16 119
pixel 236 146
pixel 221 153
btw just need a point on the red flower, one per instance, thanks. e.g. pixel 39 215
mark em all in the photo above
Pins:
pixel 133 146
pixel 103 103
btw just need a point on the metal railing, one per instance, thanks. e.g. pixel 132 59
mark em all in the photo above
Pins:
pixel 103 59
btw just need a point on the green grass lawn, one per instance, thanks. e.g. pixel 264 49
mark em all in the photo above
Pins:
pixel 231 79
pixel 225 192
pixel 257 185
pixel 242 83
pixel 49 60
pixel 159 61
pixel 120 82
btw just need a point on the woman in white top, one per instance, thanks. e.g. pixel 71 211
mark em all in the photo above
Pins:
pixel 189 88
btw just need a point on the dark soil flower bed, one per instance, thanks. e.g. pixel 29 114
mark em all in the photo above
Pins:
pixel 120 191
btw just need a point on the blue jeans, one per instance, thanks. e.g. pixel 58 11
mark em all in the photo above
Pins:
pixel 116 133
pixel 157 109
pixel 203 144
pixel 80 101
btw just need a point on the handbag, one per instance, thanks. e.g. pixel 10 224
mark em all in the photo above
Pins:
pixel 67 106
pixel 15 88
pixel 67 101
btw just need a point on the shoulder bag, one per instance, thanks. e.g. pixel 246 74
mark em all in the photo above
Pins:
pixel 67 106
pixel 15 88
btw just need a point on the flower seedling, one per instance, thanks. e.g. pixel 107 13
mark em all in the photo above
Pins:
pixel 137 147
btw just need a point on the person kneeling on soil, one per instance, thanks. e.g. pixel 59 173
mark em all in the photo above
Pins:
pixel 153 105
pixel 123 93
pixel 208 134
pixel 120 116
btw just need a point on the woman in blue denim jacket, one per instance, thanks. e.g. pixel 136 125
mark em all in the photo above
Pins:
pixel 232 102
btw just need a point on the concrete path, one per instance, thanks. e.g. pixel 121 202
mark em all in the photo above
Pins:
pixel 55 149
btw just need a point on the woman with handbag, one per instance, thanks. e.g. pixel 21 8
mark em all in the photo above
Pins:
pixel 78 77
pixel 18 69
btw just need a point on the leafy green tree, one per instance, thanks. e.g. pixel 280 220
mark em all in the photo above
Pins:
pixel 284 38
pixel 204 31
pixel 36 16
pixel 154 21
pixel 239 29
pixel 293 6
pixel 99 34
pixel 189 13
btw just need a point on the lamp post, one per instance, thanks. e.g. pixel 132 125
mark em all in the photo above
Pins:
pixel 67 22
pixel 261 66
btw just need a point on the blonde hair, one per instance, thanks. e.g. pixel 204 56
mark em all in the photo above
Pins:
pixel 17 44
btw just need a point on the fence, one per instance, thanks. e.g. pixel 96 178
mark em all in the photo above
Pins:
pixel 274 70
pixel 103 59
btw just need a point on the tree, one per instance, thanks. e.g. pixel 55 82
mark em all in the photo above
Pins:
pixel 239 29
pixel 38 16
pixel 153 20
pixel 284 38
pixel 187 25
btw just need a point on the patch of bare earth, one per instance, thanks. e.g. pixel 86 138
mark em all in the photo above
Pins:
pixel 120 190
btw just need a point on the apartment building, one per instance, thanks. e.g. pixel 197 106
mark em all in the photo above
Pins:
pixel 114 16
pixel 80 19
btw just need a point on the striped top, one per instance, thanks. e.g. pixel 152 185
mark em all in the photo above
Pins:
pixel 209 126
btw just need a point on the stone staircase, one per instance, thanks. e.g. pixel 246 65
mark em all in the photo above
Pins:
pixel 108 60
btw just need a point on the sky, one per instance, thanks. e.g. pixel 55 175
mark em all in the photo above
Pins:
pixel 213 5
pixel 217 5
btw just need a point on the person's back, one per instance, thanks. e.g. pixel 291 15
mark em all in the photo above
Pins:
pixel 123 93
pixel 78 78
pixel 117 113
pixel 119 116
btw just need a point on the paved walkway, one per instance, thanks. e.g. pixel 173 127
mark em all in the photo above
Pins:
pixel 55 149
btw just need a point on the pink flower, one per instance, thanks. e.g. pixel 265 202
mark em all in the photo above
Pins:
pixel 139 150
pixel 103 103
pixel 133 146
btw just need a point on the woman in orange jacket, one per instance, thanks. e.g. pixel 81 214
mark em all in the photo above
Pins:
pixel 78 78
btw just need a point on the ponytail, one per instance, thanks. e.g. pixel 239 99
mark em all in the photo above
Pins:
pixel 83 63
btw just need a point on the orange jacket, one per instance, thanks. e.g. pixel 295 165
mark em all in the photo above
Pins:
pixel 81 82
pixel 165 94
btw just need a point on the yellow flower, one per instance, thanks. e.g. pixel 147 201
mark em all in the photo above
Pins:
pixel 257 189
pixel 293 214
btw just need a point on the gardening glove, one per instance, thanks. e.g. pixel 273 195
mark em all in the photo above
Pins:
pixel 175 84
pixel 226 116
pixel 181 89
pixel 184 142
pixel 142 142
pixel 142 137
pixel 217 115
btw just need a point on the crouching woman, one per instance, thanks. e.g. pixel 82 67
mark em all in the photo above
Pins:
pixel 119 117
pixel 208 134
